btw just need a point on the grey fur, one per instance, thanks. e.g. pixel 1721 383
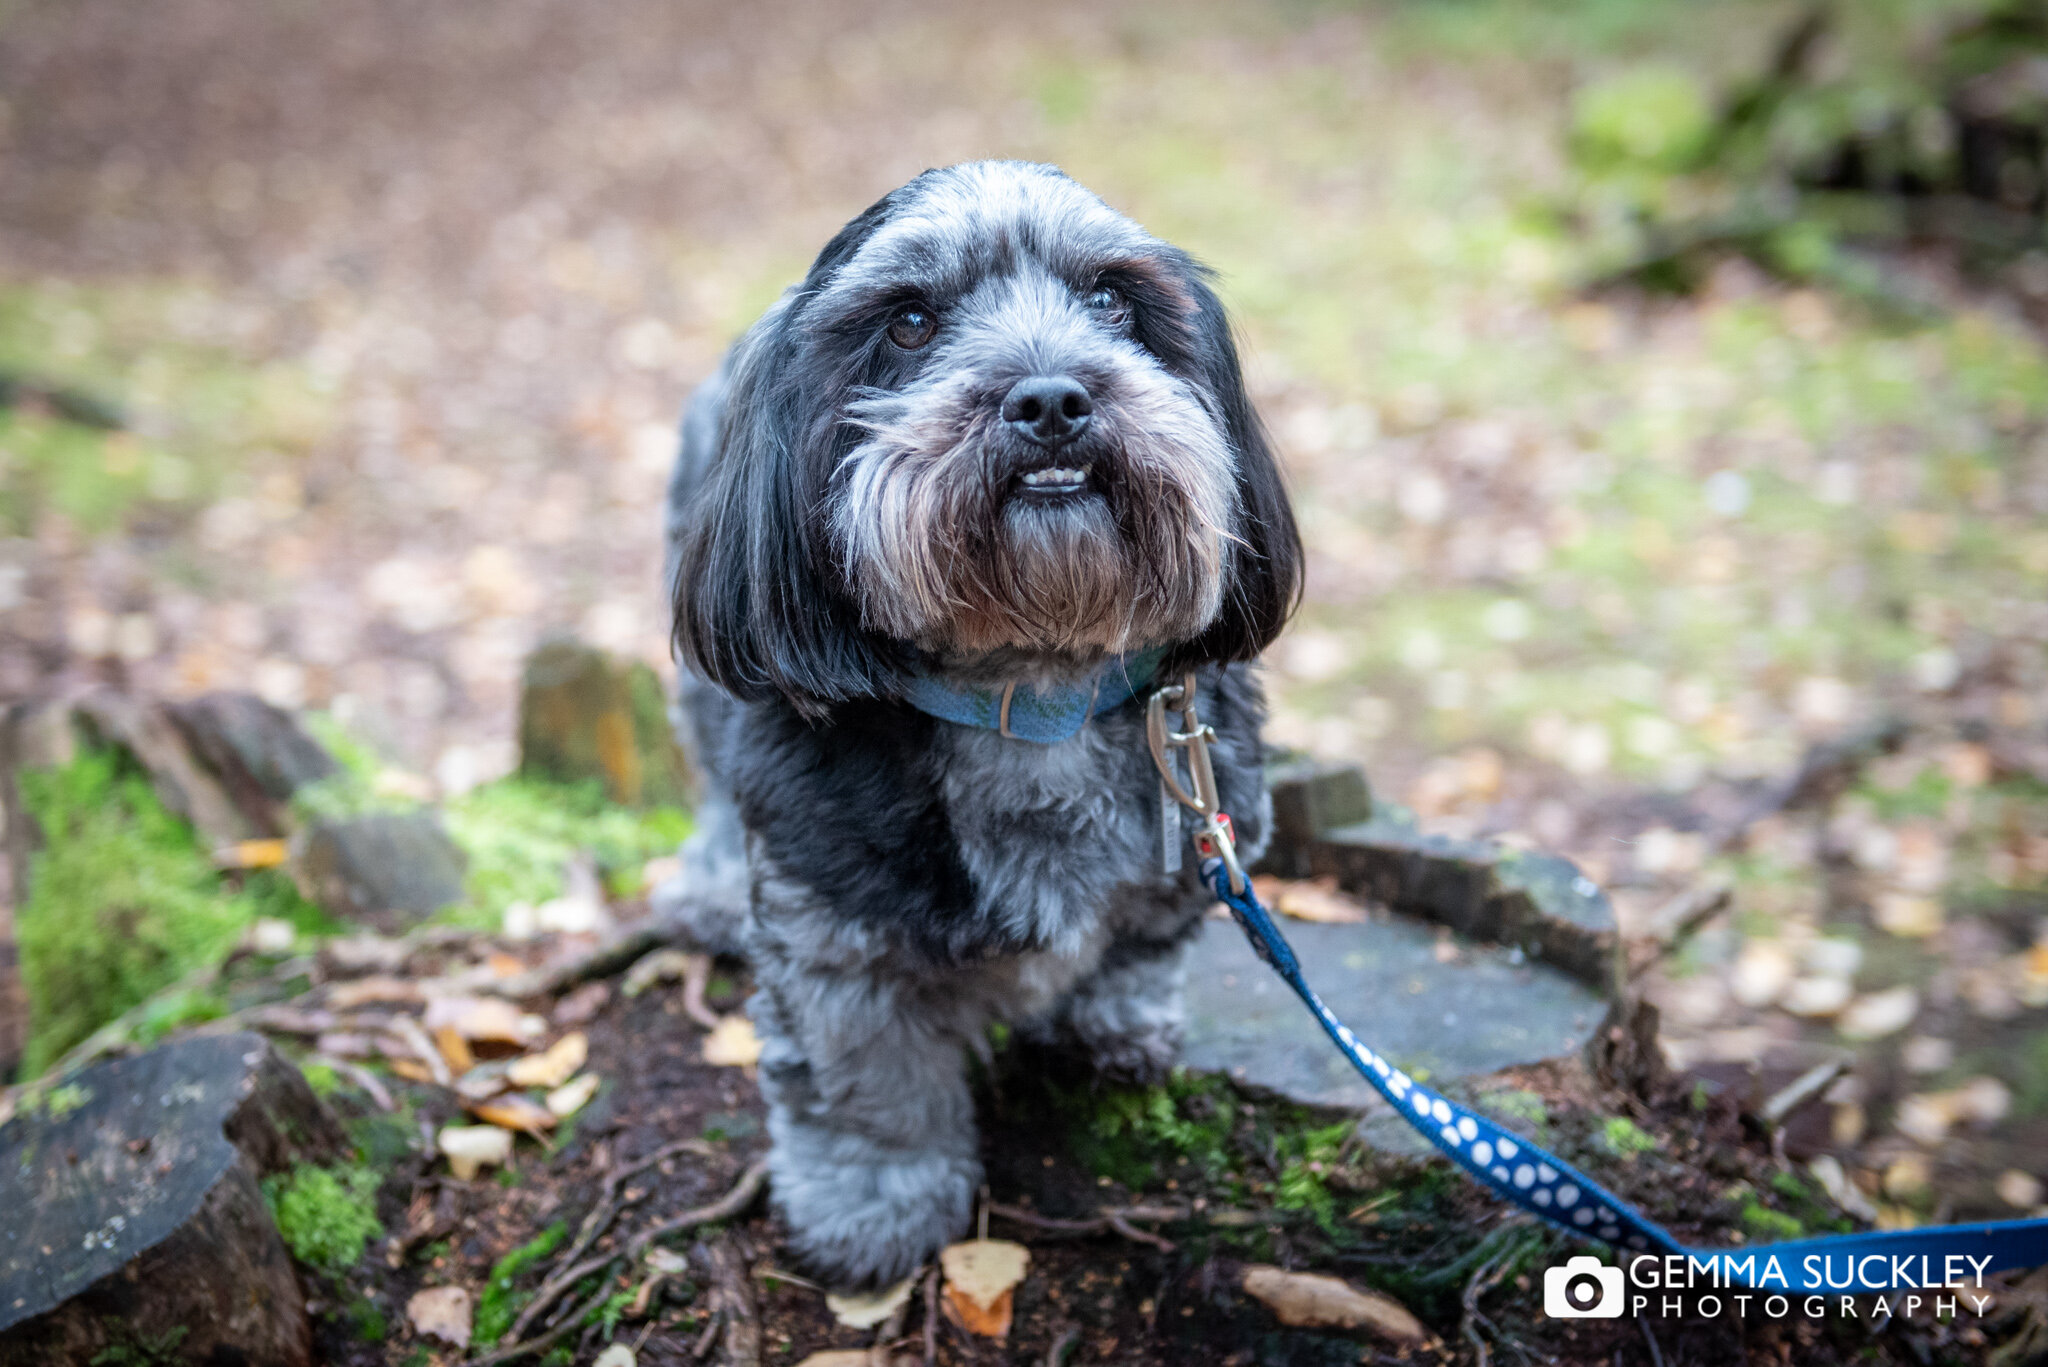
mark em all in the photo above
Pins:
pixel 900 883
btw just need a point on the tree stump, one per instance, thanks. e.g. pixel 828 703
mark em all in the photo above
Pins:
pixel 585 715
pixel 135 1220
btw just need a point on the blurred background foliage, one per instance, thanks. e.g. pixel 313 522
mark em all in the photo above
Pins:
pixel 1661 384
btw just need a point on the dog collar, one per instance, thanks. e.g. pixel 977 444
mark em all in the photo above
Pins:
pixel 1046 716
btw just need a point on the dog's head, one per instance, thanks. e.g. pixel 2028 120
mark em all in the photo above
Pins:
pixel 997 419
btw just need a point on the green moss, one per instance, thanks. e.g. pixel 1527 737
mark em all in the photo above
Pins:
pixel 367 1322
pixel 62 1101
pixel 499 1303
pixel 1127 1132
pixel 1764 1223
pixel 1308 1154
pixel 611 1311
pixel 129 1349
pixel 520 833
pixel 122 902
pixel 326 1215
pixel 322 1078
pixel 1624 1138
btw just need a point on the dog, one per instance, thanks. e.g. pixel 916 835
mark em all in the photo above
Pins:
pixel 942 519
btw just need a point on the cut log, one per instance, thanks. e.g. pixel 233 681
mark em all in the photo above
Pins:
pixel 136 1221
pixel 1309 798
pixel 584 715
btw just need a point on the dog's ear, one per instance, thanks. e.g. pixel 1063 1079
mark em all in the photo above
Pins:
pixel 1262 572
pixel 756 608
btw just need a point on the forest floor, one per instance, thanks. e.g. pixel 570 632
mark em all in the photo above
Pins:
pixel 400 302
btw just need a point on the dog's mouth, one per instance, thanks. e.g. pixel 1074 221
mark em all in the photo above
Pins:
pixel 1053 481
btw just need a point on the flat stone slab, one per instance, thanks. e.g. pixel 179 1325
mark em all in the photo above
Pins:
pixel 1489 1009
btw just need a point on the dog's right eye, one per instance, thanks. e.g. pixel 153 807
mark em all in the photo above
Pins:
pixel 913 326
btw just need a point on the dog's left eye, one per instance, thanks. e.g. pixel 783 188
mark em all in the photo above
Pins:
pixel 1107 304
pixel 913 326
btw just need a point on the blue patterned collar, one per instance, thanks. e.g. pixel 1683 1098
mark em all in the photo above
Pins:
pixel 1046 716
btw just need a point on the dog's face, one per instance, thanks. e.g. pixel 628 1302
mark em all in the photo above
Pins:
pixel 997 416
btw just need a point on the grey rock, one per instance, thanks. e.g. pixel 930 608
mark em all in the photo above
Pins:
pixel 1489 1009
pixel 1538 903
pixel 1309 798
pixel 258 752
pixel 386 869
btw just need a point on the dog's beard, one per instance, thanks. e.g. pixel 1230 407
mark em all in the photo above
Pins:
pixel 941 550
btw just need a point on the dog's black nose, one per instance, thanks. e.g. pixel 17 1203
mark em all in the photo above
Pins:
pixel 1051 410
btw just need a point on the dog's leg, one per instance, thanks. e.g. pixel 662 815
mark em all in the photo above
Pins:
pixel 874 1164
pixel 1128 1016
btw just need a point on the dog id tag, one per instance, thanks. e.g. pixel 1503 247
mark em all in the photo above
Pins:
pixel 1169 830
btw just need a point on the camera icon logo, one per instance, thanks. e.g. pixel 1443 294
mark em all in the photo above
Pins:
pixel 1583 1289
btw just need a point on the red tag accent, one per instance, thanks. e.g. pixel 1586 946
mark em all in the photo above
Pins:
pixel 1205 845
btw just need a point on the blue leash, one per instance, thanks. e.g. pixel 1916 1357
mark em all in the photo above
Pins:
pixel 1539 1182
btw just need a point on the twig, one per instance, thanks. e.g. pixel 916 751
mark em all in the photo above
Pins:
pixel 696 978
pixel 931 1318
pixel 1063 1346
pixel 1111 1219
pixel 569 1322
pixel 732 1293
pixel 1483 1280
pixel 594 1224
pixel 415 1037
pixel 712 1324
pixel 1807 1087
pixel 361 1076
pixel 734 1201
pixel 608 957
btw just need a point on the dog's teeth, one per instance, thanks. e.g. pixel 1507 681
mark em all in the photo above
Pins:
pixel 1056 476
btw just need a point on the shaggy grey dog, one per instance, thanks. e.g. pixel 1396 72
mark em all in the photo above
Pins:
pixel 940 521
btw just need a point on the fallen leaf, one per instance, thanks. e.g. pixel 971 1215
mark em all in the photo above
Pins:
pixel 1316 900
pixel 733 1044
pixel 867 1311
pixel 454 1049
pixel 1307 1301
pixel 666 1261
pixel 581 1006
pixel 503 965
pixel 491 1022
pixel 472 1147
pixel 378 988
pixel 345 1044
pixel 553 1067
pixel 483 1082
pixel 855 1357
pixel 618 1355
pixel 572 1096
pixel 412 1070
pixel 252 854
pixel 663 965
pixel 515 1111
pixel 981 1281
pixel 441 1312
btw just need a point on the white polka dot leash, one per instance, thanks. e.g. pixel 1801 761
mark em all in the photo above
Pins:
pixel 1521 1172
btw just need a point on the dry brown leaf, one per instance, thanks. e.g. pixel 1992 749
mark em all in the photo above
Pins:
pixel 515 1111
pixel 867 1311
pixel 733 1044
pixel 454 1050
pixel 1315 900
pixel 441 1312
pixel 1307 1301
pixel 490 1022
pixel 373 990
pixel 252 854
pixel 853 1357
pixel 581 1006
pixel 981 1282
pixel 503 965
pixel 572 1096
pixel 411 1069
pixel 472 1147
pixel 553 1067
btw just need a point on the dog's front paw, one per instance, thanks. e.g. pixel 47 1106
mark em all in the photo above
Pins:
pixel 865 1215
pixel 1129 1039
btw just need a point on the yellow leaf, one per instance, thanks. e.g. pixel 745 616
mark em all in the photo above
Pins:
pixel 1307 1301
pixel 733 1044
pixel 867 1311
pixel 471 1147
pixel 515 1111
pixel 553 1067
pixel 572 1097
pixel 981 1282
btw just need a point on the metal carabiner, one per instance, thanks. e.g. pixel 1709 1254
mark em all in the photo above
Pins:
pixel 1194 738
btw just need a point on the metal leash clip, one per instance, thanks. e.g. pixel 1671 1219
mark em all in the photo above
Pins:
pixel 1216 839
